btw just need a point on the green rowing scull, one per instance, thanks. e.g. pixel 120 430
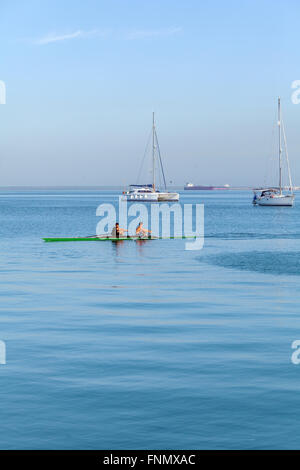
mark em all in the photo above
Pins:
pixel 101 239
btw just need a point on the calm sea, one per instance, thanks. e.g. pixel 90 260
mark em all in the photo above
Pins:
pixel 147 345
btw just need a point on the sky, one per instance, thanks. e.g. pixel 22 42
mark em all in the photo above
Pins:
pixel 83 78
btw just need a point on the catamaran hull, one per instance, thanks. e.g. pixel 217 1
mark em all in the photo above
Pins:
pixel 168 197
pixel 283 201
pixel 151 197
pixel 140 197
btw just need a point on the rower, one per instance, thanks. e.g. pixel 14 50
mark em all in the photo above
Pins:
pixel 141 231
pixel 117 231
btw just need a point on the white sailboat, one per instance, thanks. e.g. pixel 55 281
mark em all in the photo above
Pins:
pixel 149 192
pixel 276 196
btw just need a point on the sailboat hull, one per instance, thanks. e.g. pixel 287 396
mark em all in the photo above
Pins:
pixel 283 200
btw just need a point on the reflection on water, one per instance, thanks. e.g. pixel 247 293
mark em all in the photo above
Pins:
pixel 281 263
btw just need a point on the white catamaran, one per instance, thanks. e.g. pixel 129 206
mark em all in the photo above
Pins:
pixel 149 192
pixel 275 196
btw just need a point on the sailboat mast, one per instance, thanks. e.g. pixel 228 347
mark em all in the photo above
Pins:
pixel 153 152
pixel 280 149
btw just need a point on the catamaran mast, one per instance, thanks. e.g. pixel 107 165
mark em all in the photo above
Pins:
pixel 280 149
pixel 153 152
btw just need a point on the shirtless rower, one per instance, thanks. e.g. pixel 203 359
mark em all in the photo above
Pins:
pixel 141 231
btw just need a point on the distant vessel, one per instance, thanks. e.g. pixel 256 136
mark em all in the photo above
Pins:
pixel 196 187
pixel 149 192
pixel 275 196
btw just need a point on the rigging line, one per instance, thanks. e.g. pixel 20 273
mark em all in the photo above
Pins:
pixel 287 156
pixel 161 174
pixel 143 160
pixel 160 161
pixel 159 165
pixel 160 180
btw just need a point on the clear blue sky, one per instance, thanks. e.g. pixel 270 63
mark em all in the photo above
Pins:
pixel 84 77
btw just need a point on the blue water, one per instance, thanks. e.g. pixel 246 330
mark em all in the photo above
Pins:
pixel 147 345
